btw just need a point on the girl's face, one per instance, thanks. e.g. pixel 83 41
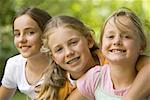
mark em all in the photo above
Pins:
pixel 121 45
pixel 27 35
pixel 71 50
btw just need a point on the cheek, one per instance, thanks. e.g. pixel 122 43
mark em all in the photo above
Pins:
pixel 16 42
pixel 82 48
pixel 58 58
pixel 131 44
pixel 103 50
pixel 36 41
pixel 105 44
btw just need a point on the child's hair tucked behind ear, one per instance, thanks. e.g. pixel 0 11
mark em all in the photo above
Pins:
pixel 55 77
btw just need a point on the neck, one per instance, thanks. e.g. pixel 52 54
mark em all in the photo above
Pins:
pixel 77 75
pixel 35 68
pixel 38 63
pixel 122 75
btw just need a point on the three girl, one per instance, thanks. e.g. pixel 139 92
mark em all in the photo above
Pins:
pixel 72 52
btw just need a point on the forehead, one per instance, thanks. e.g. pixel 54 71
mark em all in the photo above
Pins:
pixel 123 23
pixel 25 21
pixel 61 35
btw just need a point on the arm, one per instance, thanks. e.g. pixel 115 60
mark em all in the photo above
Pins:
pixel 75 95
pixel 141 85
pixel 5 93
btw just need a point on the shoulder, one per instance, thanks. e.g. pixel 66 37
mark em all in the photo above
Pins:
pixel 14 71
pixel 17 58
pixel 15 63
pixel 95 69
pixel 93 72
pixel 88 82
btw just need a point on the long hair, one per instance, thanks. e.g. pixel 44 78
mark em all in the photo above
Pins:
pixel 55 78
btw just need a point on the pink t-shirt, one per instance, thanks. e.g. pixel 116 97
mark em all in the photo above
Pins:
pixel 98 76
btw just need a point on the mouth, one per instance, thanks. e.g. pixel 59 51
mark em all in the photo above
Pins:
pixel 73 60
pixel 117 51
pixel 25 48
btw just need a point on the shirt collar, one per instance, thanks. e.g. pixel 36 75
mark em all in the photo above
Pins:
pixel 72 81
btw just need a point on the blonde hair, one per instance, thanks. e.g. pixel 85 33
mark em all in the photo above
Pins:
pixel 55 77
pixel 134 19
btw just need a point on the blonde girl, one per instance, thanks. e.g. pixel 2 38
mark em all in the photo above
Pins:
pixel 122 41
pixel 72 49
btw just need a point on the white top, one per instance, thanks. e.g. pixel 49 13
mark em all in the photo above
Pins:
pixel 14 76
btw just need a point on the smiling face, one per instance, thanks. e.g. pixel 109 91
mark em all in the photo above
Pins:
pixel 71 50
pixel 121 43
pixel 27 36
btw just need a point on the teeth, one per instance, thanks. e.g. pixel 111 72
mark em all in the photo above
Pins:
pixel 117 50
pixel 73 60
pixel 24 47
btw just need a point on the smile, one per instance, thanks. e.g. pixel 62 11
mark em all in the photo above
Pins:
pixel 24 48
pixel 117 50
pixel 73 60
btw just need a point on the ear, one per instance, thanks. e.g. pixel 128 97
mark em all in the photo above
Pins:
pixel 90 41
pixel 143 46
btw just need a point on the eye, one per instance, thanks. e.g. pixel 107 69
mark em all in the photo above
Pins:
pixel 127 36
pixel 110 36
pixel 58 49
pixel 73 42
pixel 30 32
pixel 16 34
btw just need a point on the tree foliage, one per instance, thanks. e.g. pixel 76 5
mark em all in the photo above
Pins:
pixel 91 12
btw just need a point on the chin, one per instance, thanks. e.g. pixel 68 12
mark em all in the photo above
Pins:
pixel 117 60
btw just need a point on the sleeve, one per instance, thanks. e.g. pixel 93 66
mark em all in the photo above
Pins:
pixel 87 84
pixel 9 80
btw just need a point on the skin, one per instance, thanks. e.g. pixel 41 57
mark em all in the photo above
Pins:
pixel 140 79
pixel 27 39
pixel 71 51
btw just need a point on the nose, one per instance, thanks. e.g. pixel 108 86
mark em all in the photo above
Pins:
pixel 117 41
pixel 69 52
pixel 22 38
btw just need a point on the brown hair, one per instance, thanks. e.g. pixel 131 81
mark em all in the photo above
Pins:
pixel 39 15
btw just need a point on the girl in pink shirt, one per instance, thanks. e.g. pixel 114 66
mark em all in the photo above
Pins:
pixel 122 42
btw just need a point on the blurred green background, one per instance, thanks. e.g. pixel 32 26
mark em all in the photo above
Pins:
pixel 91 12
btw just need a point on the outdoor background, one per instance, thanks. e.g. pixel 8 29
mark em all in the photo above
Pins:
pixel 91 12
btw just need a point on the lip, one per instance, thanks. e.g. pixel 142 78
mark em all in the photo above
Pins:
pixel 73 60
pixel 24 48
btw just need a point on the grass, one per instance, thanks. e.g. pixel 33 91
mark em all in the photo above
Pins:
pixel 19 96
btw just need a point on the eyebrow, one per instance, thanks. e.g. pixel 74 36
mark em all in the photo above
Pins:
pixel 25 28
